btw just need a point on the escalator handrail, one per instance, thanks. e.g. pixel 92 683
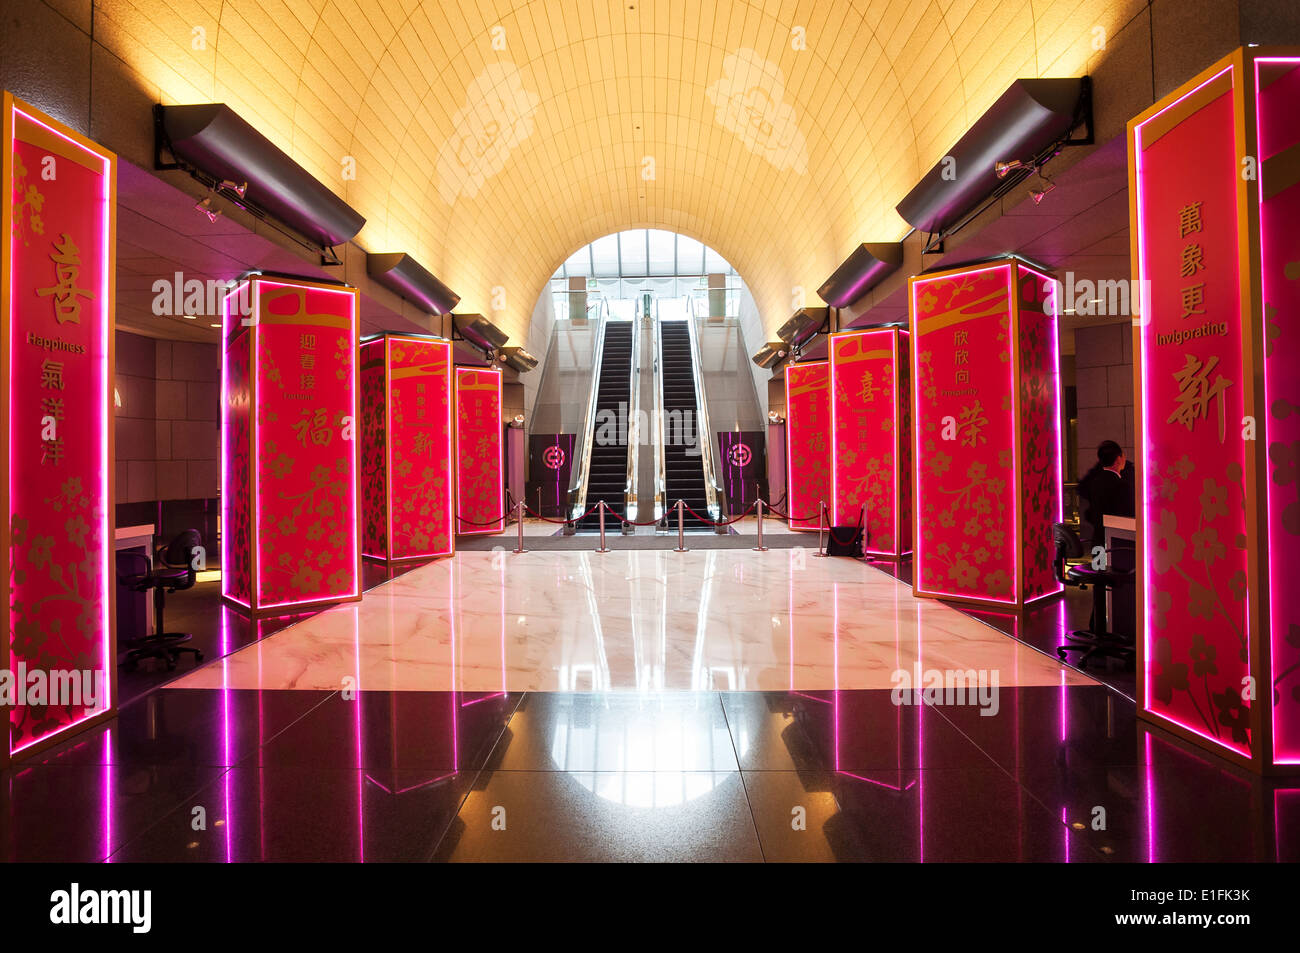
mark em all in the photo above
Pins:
pixel 704 432
pixel 578 482
pixel 661 476
pixel 633 424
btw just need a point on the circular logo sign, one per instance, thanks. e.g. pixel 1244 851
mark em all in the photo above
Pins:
pixel 553 457
pixel 739 455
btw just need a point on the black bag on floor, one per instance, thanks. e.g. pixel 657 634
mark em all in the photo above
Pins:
pixel 844 541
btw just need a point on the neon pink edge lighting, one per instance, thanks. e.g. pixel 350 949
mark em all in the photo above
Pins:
pixel 448 458
pixel 892 334
pixel 256 282
pixel 480 531
pixel 1275 545
pixel 105 253
pixel 916 432
pixel 1145 326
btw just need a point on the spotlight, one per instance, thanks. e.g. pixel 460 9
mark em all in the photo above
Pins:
pixel 1003 169
pixel 206 208
pixel 1047 186
pixel 239 188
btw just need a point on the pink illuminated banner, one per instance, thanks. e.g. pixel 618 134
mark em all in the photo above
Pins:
pixel 1277 84
pixel 59 194
pixel 1214 362
pixel 986 433
pixel 406 425
pixel 480 476
pixel 808 443
pixel 871 448
pixel 290 521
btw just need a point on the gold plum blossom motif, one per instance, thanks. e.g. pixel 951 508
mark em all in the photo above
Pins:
pixel 58 629
pixel 1186 559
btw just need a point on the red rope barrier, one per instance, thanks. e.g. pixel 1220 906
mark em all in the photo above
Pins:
pixel 786 516
pixel 547 519
pixel 720 522
pixel 845 542
pixel 500 519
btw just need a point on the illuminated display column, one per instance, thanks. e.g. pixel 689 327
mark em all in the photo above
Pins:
pixel 871 449
pixel 986 433
pixel 406 459
pixel 480 482
pixel 290 519
pixel 808 445
pixel 59 195
pixel 1215 189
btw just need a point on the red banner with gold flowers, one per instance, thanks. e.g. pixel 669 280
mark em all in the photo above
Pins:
pixel 300 494
pixel 1277 81
pixel 1192 462
pixel 407 401
pixel 1214 172
pixel 57 289
pixel 869 416
pixel 808 443
pixel 986 433
pixel 480 478
pixel 965 435
pixel 374 448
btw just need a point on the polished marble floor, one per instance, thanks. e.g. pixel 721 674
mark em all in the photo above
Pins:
pixel 1061 773
pixel 728 620
pixel 716 705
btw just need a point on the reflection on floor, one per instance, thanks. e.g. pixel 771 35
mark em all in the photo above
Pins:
pixel 715 705
pixel 732 620
pixel 218 630
pixel 1043 625
pixel 1060 773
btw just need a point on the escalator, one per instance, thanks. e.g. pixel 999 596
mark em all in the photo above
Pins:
pixel 607 474
pixel 683 457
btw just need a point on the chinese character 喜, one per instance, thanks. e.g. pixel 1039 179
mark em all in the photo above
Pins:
pixel 67 261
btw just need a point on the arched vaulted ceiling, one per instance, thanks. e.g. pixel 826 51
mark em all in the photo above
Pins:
pixel 492 140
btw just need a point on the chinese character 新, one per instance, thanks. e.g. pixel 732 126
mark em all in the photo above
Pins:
pixel 1195 393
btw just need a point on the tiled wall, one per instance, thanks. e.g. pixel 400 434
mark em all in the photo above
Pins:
pixel 1103 368
pixel 167 429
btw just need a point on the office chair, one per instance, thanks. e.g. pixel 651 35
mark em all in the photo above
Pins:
pixel 1096 641
pixel 171 572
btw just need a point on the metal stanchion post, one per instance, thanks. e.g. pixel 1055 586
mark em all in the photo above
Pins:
pixel 821 531
pixel 603 548
pixel 681 531
pixel 519 509
pixel 760 548
pixel 865 557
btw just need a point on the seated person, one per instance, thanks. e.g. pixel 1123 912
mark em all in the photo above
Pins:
pixel 1107 490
